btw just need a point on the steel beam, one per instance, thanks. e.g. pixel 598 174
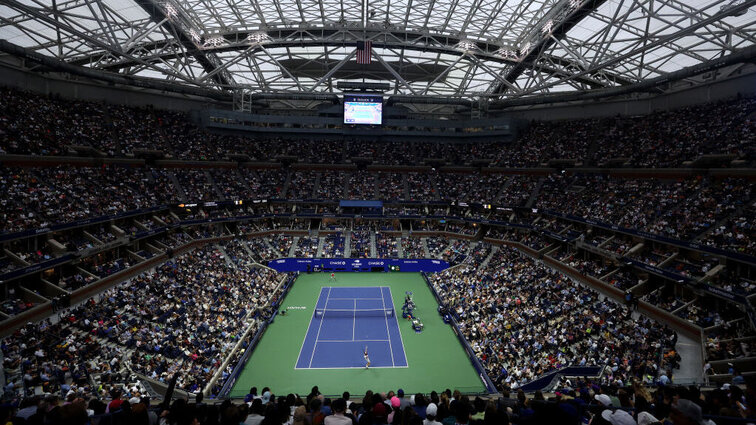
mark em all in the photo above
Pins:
pixel 545 40
pixel 209 61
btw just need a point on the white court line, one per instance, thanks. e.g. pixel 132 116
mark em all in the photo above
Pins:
pixel 326 310
pixel 333 298
pixel 357 287
pixel 308 328
pixel 352 340
pixel 398 329
pixel 354 318
pixel 352 367
pixel 317 337
pixel 388 332
pixel 322 319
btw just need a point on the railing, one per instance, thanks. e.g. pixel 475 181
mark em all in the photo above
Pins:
pixel 547 380
pixel 656 238
pixel 78 223
pixel 219 373
pixel 108 281
pixel 231 380
pixel 490 387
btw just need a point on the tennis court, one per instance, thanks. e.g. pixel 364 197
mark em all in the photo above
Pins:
pixel 346 322
pixel 433 359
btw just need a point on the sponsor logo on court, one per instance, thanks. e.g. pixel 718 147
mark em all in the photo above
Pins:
pixel 297 307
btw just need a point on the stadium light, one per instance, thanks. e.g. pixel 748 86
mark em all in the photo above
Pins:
pixel 466 45
pixel 195 36
pixel 507 53
pixel 258 37
pixel 526 49
pixel 215 41
pixel 547 27
pixel 170 11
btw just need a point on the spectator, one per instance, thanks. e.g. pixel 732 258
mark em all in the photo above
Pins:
pixel 338 418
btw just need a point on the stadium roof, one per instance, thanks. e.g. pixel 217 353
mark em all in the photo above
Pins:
pixel 462 49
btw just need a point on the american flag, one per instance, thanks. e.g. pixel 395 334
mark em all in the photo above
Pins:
pixel 363 52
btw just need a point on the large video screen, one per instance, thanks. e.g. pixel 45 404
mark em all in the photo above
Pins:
pixel 363 109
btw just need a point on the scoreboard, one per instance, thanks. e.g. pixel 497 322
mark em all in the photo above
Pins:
pixel 363 109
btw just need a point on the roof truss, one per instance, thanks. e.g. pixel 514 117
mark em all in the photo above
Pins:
pixel 469 49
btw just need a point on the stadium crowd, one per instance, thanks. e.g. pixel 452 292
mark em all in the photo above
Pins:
pixel 524 319
pixel 661 139
pixel 360 244
pixel 413 248
pixel 386 246
pixel 35 124
pixel 714 212
pixel 521 318
pixel 40 197
pixel 331 185
pixel 682 209
pixel 184 317
pixel 580 402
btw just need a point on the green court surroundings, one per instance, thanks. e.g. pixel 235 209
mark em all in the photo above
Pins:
pixel 435 358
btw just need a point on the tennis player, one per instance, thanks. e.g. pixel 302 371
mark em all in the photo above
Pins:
pixel 367 358
pixel 333 277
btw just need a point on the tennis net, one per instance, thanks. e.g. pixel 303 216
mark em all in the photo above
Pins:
pixel 335 312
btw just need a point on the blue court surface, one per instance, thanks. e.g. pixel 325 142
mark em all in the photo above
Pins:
pixel 344 322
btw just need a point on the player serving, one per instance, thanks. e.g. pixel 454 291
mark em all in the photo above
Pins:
pixel 367 358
